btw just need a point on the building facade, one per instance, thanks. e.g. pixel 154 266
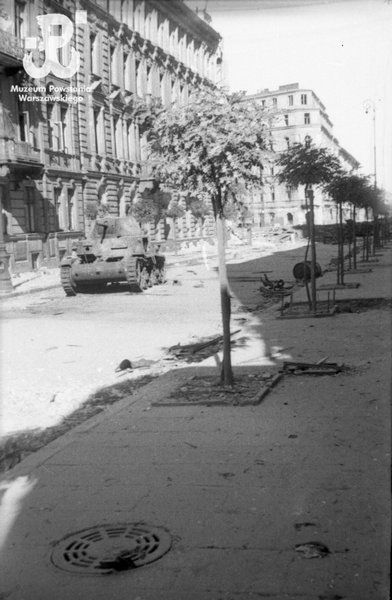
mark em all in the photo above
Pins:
pixel 73 145
pixel 296 115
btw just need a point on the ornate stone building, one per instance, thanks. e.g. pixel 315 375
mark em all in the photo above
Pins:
pixel 70 146
pixel 297 114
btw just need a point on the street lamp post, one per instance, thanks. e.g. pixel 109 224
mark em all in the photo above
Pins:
pixel 371 107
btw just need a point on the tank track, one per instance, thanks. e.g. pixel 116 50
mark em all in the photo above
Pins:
pixel 66 281
pixel 130 270
pixel 132 274
pixel 154 271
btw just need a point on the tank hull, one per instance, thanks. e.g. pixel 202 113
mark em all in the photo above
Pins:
pixel 114 254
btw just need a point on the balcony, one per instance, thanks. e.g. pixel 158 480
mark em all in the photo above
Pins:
pixel 19 155
pixel 11 50
pixel 58 159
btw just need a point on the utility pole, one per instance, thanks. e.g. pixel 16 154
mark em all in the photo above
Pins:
pixel 369 105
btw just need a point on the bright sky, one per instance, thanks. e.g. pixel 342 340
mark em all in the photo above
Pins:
pixel 342 49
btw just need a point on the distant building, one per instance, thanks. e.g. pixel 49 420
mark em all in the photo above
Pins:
pixel 297 114
pixel 61 160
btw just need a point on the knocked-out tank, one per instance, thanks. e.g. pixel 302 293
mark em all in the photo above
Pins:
pixel 116 251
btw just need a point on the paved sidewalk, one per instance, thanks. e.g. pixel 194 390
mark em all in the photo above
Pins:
pixel 237 487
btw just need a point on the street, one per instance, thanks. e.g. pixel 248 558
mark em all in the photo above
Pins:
pixel 71 346
pixel 246 494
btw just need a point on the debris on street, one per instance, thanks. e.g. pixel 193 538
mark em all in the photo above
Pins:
pixel 312 550
pixel 125 365
pixel 199 350
pixel 319 368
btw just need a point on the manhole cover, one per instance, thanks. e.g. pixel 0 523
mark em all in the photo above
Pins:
pixel 106 549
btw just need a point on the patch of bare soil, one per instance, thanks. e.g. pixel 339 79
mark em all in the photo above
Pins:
pixel 248 389
pixel 363 304
pixel 15 448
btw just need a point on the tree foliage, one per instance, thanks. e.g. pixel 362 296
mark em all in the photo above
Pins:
pixel 356 190
pixel 306 164
pixel 199 206
pixel 350 189
pixel 150 206
pixel 210 144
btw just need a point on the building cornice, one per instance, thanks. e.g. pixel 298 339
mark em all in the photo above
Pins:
pixel 188 20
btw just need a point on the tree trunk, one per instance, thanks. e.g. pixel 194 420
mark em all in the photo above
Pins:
pixel 354 239
pixel 227 377
pixel 375 232
pixel 313 251
pixel 341 246
pixel 367 234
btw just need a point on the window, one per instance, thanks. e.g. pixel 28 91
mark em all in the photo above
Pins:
pixel 287 142
pixel 174 91
pixel 58 127
pixel 286 120
pixel 112 51
pixel 139 78
pixel 94 61
pixel 123 11
pixel 64 129
pixel 127 73
pixel 289 192
pixel 291 100
pixel 272 194
pixel 98 133
pixel 304 98
pixel 131 141
pixel 57 31
pixel 70 224
pixel 19 18
pixel 30 210
pixel 57 207
pixel 274 102
pixel 118 137
pixel 263 103
pixel 149 79
pixel 114 66
pixel 24 126
pixel 307 118
pixel 49 124
pixel 162 85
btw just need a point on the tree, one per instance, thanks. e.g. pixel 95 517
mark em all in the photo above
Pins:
pixel 199 207
pixel 346 188
pixel 305 164
pixel 205 148
pixel 151 205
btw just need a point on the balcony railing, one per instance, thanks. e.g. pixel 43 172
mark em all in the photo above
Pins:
pixel 13 151
pixel 11 46
pixel 61 160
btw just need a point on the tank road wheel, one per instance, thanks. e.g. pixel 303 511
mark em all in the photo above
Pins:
pixel 69 286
